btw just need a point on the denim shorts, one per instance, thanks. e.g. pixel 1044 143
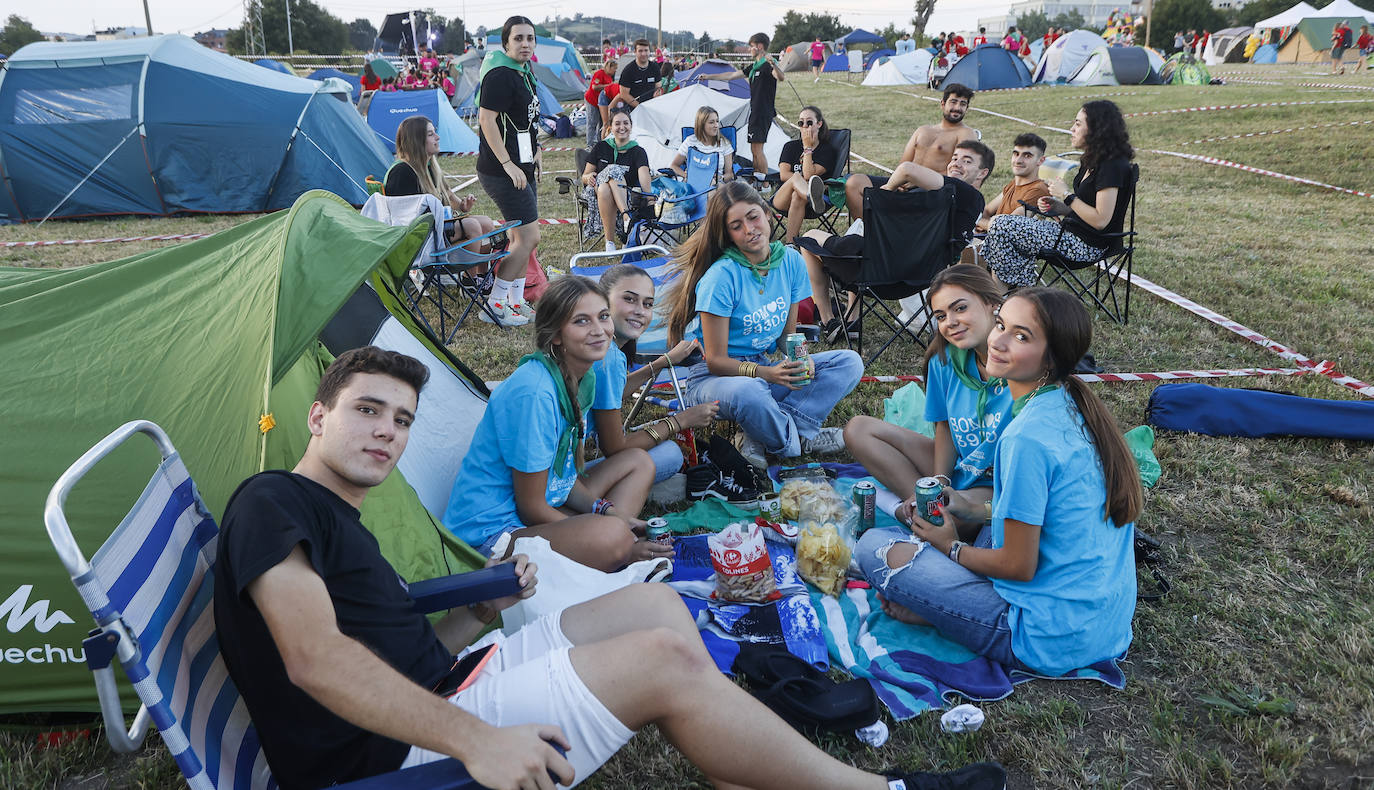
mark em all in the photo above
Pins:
pixel 521 204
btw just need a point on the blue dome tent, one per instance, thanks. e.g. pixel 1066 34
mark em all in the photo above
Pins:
pixel 1267 53
pixel 873 58
pixel 162 125
pixel 352 79
pixel 274 65
pixel 389 108
pixel 989 67
pixel 549 106
pixel 704 74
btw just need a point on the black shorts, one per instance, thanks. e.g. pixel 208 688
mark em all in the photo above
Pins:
pixel 759 124
pixel 521 204
pixel 1337 53
pixel 878 179
pixel 815 64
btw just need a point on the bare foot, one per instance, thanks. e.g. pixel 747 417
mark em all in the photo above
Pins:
pixel 900 613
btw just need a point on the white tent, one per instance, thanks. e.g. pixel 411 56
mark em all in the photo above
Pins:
pixel 1096 70
pixel 1287 18
pixel 1347 9
pixel 1222 43
pixel 659 123
pixel 1065 56
pixel 908 69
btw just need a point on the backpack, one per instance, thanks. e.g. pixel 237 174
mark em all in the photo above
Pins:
pixel 1346 37
pixel 563 127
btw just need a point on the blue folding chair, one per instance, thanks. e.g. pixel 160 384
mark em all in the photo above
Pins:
pixel 150 588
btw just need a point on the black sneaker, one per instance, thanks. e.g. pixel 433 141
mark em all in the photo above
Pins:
pixel 733 463
pixel 979 776
pixel 707 481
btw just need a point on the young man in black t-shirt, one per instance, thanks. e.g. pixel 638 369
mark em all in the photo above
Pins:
pixel 639 79
pixel 763 74
pixel 344 680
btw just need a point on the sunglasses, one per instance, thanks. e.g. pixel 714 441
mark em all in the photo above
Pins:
pixel 806 122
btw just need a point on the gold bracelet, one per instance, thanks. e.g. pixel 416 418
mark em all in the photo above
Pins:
pixel 653 434
pixel 749 369
pixel 674 424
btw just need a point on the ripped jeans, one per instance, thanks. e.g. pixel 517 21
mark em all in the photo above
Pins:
pixel 962 605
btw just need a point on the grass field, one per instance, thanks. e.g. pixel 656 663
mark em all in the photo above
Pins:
pixel 1267 541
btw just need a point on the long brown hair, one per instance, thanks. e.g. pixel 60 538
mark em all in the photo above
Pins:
pixel 410 148
pixel 1068 334
pixel 609 278
pixel 704 247
pixel 556 306
pixel 974 279
pixel 704 113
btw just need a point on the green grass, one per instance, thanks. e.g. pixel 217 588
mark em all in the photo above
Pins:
pixel 1266 540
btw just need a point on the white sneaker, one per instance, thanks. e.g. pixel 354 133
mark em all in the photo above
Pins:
pixel 752 450
pixel 507 316
pixel 856 228
pixel 828 441
pixel 610 246
pixel 522 310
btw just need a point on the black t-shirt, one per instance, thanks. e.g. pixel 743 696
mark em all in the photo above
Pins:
pixel 825 155
pixel 508 93
pixel 306 745
pixel 763 92
pixel 401 180
pixel 641 83
pixel 968 207
pixel 604 154
pixel 1108 174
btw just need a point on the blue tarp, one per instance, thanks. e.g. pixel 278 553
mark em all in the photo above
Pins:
pixel 275 65
pixel 351 79
pixel 1267 53
pixel 872 58
pixel 989 67
pixel 860 36
pixel 389 108
pixel 163 125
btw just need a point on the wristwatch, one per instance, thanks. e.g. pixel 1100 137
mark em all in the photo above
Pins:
pixel 1069 199
pixel 954 550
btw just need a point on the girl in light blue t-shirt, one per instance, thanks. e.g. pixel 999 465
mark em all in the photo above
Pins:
pixel 968 407
pixel 523 472
pixel 1053 588
pixel 745 292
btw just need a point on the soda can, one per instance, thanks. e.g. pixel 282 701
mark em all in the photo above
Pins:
pixel 928 500
pixel 656 529
pixel 866 499
pixel 770 506
pixel 794 347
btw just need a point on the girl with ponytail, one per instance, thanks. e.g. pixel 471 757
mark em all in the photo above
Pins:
pixel 524 472
pixel 1054 589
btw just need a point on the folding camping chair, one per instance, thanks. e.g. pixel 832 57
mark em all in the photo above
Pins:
pixel 150 588
pixel 834 190
pixel 439 267
pixel 573 185
pixel 908 239
pixel 1097 280
pixel 676 216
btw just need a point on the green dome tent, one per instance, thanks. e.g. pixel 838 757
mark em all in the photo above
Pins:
pixel 204 339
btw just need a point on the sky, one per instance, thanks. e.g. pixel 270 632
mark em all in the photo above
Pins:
pixel 742 18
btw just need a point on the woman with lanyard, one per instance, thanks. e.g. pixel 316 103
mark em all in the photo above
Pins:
pixel 1051 586
pixel 524 473
pixel 968 407
pixel 508 160
pixel 611 166
pixel 1096 206
pixel 745 292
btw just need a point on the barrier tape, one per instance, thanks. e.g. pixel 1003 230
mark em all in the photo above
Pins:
pixel 1243 81
pixel 1211 107
pixel 111 240
pixel 1335 85
pixel 555 148
pixel 1277 131
pixel 1211 160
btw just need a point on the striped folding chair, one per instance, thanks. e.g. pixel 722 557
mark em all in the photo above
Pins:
pixel 150 590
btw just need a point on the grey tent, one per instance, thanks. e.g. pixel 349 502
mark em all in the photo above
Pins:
pixel 1132 66
pixel 565 86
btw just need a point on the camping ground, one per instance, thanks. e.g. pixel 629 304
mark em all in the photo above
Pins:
pixel 1255 671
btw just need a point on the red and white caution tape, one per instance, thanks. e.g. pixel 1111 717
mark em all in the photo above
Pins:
pixel 1277 131
pixel 1242 80
pixel 555 148
pixel 1212 107
pixel 111 240
pixel 553 221
pixel 1335 85
pixel 1161 375
pixel 1211 160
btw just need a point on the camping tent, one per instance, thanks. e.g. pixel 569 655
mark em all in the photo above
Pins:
pixel 1181 70
pixel 701 74
pixel 1066 55
pixel 389 108
pixel 1310 41
pixel 1267 53
pixel 989 67
pixel 1287 18
pixel 1133 66
pixel 1226 46
pixel 876 56
pixel 860 37
pixel 1353 14
pixel 94 346
pixel 549 105
pixel 466 68
pixel 798 56
pixel 162 125
pixel 659 123
pixel 837 62
pixel 908 69
pixel 352 79
pixel 1096 70
pixel 274 65
pixel 562 82
pixel 549 50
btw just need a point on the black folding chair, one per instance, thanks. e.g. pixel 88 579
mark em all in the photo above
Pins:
pixel 908 239
pixel 573 184
pixel 834 192
pixel 1097 280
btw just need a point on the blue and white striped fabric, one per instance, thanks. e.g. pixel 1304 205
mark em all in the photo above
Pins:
pixel 155 572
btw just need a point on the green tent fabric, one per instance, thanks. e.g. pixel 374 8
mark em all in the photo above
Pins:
pixel 204 339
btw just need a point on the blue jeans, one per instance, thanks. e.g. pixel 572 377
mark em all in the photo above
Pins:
pixel 962 605
pixel 667 457
pixel 778 417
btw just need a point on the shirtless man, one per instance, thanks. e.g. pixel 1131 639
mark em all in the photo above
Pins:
pixel 930 146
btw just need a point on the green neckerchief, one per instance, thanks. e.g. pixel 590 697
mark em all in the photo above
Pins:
pixel 618 150
pixel 496 59
pixel 586 391
pixel 959 359
pixel 1020 403
pixel 758 64
pixel 774 260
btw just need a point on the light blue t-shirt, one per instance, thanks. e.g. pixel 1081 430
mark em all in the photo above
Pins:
pixel 756 319
pixel 948 400
pixel 611 372
pixel 518 433
pixel 1078 608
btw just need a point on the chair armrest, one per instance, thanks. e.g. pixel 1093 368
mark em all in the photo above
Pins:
pixel 667 171
pixel 564 184
pixel 448 774
pixel 461 589
pixel 692 196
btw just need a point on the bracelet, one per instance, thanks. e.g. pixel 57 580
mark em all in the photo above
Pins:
pixel 673 424
pixel 653 433
pixel 988 505
pixel 808 151
pixel 749 369
pixel 954 550
pixel 600 506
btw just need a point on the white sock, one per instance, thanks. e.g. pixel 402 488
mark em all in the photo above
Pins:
pixel 500 290
pixel 517 290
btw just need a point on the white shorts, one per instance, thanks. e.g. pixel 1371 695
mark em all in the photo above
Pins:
pixel 530 680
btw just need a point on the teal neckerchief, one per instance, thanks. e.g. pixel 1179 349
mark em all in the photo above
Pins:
pixel 758 64
pixel 618 150
pixel 586 391
pixel 496 59
pixel 958 358
pixel 1020 403
pixel 758 270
